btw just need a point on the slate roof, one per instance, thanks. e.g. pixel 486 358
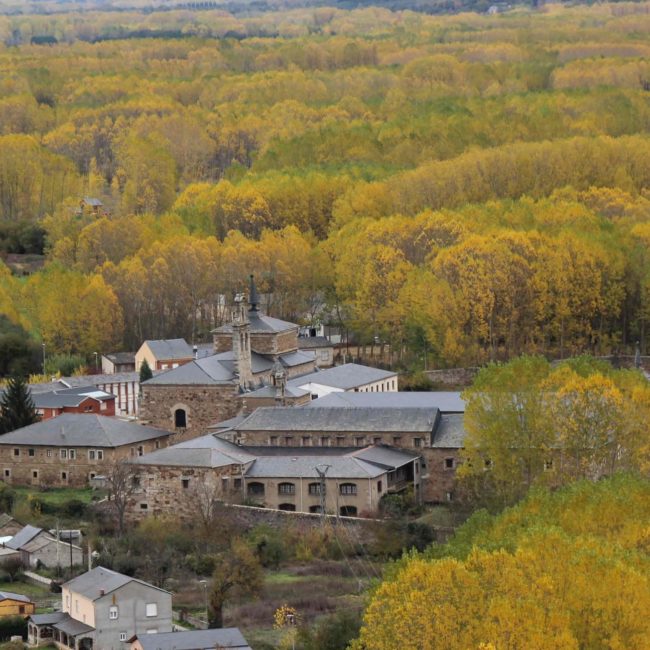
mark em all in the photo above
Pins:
pixel 5 519
pixel 347 463
pixel 269 391
pixel 260 324
pixel 313 342
pixel 278 418
pixel 227 424
pixel 92 583
pixel 89 200
pixel 298 358
pixel 26 535
pixel 169 349
pixel 120 358
pixel 70 397
pixel 345 377
pixel 72 627
pixel 10 595
pixel 48 619
pixel 204 451
pixel 445 401
pixel 81 430
pixel 228 637
pixel 450 433
pixel 85 380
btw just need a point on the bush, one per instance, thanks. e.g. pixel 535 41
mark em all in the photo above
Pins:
pixel 73 508
pixel 12 626
pixel 7 498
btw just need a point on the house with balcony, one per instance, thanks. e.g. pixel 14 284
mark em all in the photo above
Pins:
pixel 102 609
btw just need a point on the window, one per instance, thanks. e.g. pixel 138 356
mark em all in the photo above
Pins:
pixel 113 612
pixel 417 442
pixel 21 609
pixel 237 484
pixel 185 482
pixel 180 419
pixel 224 484
pixel 305 441
pixel 72 454
pixel 30 453
pixel 88 409
pixel 140 450
pixel 48 453
pixel 376 441
pixel 91 454
pixel 348 488
pixel 379 487
pixel 64 476
pixel 256 489
pixel 314 489
pixel 315 509
pixel 34 473
pixel 449 463
pixel 273 441
pixel 151 609
pixel 16 452
pixel 287 507
pixel 100 454
pixel 324 441
pixel 358 442
pixel 63 453
pixel 122 636
pixel 288 441
pixel 7 473
pixel 450 496
pixel 397 441
pixel 348 511
pixel 144 506
pixel 286 488
pixel 340 441
pixel 157 444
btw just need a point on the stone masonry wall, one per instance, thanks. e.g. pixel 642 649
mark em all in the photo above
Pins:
pixel 439 480
pixel 203 405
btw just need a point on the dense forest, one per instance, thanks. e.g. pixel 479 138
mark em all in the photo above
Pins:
pixel 465 187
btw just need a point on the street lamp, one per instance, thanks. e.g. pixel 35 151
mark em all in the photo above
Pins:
pixel 205 594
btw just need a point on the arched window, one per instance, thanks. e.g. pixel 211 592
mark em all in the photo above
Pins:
pixel 348 488
pixel 289 507
pixel 314 489
pixel 348 511
pixel 315 509
pixel 286 488
pixel 256 489
pixel 180 419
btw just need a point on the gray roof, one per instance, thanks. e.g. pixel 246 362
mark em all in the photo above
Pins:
pixel 269 391
pixel 5 519
pixel 301 462
pixel 23 537
pixel 228 637
pixel 450 433
pixel 276 418
pixel 81 430
pixel 298 358
pixel 120 357
pixel 345 377
pixel 260 324
pixel 169 349
pixel 70 397
pixel 10 595
pixel 92 583
pixel 204 451
pixel 227 424
pixel 47 619
pixel 311 342
pixel 72 627
pixel 85 380
pixel 445 401
pixel 89 200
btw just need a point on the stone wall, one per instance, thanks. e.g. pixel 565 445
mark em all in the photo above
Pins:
pixel 274 343
pixel 45 467
pixel 452 377
pixel 222 342
pixel 439 479
pixel 203 406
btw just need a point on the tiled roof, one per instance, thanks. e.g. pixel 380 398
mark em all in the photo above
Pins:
pixel 260 324
pixel 81 430
pixel 450 433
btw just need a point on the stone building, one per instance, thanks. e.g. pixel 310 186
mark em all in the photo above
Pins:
pixel 189 478
pixel 38 547
pixel 252 352
pixel 72 449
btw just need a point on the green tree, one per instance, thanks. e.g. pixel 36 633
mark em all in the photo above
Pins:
pixel 16 407
pixel 145 372
pixel 239 570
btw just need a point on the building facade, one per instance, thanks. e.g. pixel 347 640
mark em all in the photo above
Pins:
pixel 70 450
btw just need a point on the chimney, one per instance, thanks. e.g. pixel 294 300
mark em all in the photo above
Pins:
pixel 102 592
pixel 195 350
pixel 241 344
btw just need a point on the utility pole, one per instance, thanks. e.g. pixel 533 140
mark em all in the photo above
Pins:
pixel 321 470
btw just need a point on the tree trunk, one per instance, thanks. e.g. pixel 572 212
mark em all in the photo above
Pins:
pixel 215 618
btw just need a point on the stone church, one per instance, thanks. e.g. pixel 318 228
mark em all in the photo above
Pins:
pixel 254 355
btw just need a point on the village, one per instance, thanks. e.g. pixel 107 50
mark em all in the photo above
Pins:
pixel 262 421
